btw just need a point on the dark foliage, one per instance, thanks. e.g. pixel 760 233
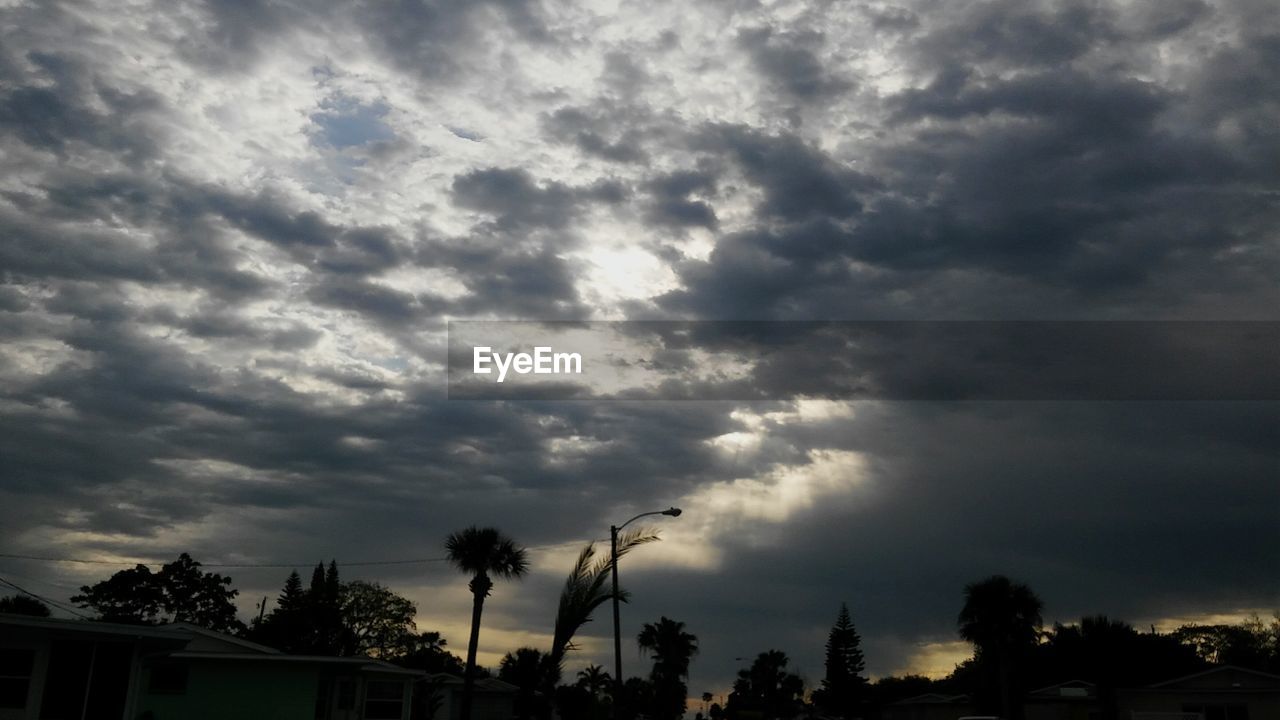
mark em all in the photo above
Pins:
pixel 180 592
pixel 23 605
pixel 844 689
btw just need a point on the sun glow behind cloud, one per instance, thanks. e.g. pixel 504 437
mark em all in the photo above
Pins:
pixel 755 509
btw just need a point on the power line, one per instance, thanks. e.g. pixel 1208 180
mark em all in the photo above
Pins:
pixel 227 566
pixel 86 561
pixel 46 600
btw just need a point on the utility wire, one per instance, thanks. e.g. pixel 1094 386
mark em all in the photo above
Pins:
pixel 45 600
pixel 359 563
pixel 43 558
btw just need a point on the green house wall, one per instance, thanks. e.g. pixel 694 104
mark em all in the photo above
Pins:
pixel 235 691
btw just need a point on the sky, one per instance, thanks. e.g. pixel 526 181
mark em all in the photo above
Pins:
pixel 232 235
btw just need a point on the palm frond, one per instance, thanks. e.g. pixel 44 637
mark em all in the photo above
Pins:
pixel 588 587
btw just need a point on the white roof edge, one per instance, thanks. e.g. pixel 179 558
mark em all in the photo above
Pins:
pixel 223 637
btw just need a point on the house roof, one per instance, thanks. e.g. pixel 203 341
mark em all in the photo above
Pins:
pixel 363 664
pixel 1221 669
pixel 232 640
pixel 487 684
pixel 933 699
pixel 186 640
pixel 159 632
pixel 1069 690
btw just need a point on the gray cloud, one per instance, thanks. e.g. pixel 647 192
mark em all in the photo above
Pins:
pixel 789 62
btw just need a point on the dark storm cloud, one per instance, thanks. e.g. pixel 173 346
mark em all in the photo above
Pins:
pixel 596 133
pixel 1021 34
pixel 672 205
pixel 515 198
pixel 1081 182
pixel 1092 504
pixel 789 62
pixel 430 39
pixel 388 305
pixel 799 181
pixel 54 106
pixel 501 278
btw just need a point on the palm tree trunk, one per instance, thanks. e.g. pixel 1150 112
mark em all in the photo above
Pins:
pixel 1006 688
pixel 479 589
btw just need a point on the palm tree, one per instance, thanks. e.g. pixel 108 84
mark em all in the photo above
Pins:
pixel 1002 620
pixel 595 680
pixel 482 552
pixel 528 669
pixel 587 588
pixel 671 649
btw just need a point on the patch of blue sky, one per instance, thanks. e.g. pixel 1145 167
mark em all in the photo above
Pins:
pixel 345 123
pixel 465 134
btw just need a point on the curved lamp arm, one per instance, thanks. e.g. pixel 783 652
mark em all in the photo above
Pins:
pixel 673 512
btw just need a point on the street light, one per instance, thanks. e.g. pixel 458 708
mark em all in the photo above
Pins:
pixel 617 622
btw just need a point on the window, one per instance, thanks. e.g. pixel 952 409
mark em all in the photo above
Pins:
pixel 346 694
pixel 324 694
pixel 168 679
pixel 15 676
pixel 384 700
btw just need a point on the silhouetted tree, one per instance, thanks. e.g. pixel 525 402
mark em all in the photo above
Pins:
pixel 574 702
pixel 426 651
pixel 531 671
pixel 637 697
pixel 1110 654
pixel 180 592
pixel 129 596
pixel 197 597
pixel 376 621
pixel 671 649
pixel 288 626
pixel 595 680
pixel 323 603
pixel 23 605
pixel 843 687
pixel 291 596
pixel 1002 620
pixel 330 618
pixel 766 688
pixel 481 553
pixel 1254 643
pixel 893 688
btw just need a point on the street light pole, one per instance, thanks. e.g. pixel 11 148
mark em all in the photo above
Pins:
pixel 617 619
pixel 617 625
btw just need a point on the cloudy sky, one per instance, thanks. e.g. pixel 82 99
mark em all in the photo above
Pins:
pixel 232 234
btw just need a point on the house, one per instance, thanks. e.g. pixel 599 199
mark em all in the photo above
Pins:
pixel 491 699
pixel 929 706
pixel 1072 700
pixel 52 669
pixel 1220 693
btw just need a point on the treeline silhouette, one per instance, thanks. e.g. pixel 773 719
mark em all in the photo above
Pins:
pixel 1002 619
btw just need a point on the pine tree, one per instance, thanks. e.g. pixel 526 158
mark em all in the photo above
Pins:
pixel 291 597
pixel 332 588
pixel 316 590
pixel 843 688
